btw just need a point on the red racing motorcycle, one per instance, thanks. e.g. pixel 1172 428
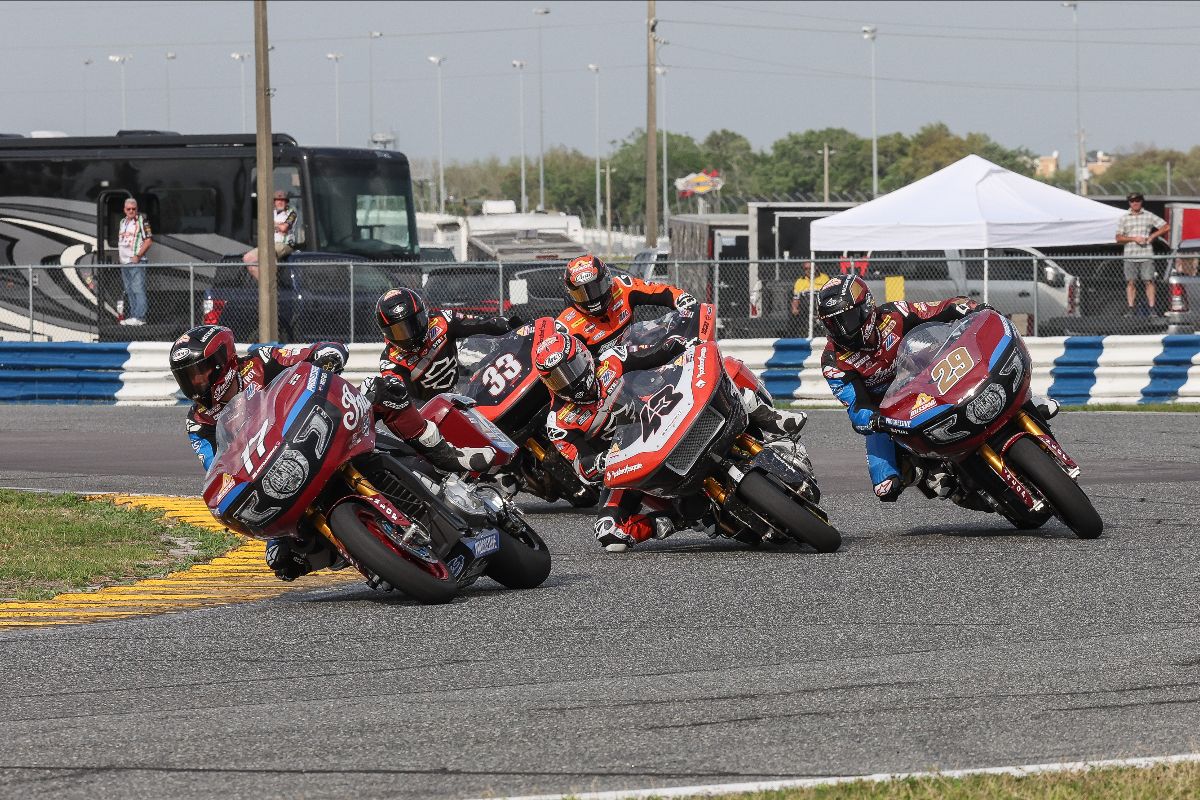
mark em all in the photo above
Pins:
pixel 683 435
pixel 302 458
pixel 960 401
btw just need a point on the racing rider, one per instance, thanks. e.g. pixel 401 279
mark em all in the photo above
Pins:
pixel 581 422
pixel 208 370
pixel 602 305
pixel 421 348
pixel 859 365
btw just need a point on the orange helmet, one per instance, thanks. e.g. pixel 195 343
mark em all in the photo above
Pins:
pixel 566 367
pixel 589 286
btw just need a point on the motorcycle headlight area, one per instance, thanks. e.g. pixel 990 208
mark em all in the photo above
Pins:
pixel 987 406
pixel 943 431
pixel 459 495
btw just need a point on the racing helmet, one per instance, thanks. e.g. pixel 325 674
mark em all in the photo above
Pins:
pixel 403 318
pixel 566 367
pixel 846 309
pixel 589 287
pixel 204 362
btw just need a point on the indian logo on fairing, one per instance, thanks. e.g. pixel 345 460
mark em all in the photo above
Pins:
pixel 662 403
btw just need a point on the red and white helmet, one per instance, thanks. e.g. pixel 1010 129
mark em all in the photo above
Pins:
pixel 589 286
pixel 566 367
pixel 204 363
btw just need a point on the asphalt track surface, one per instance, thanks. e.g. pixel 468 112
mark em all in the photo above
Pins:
pixel 936 638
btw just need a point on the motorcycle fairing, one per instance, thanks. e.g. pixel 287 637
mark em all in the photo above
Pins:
pixel 265 472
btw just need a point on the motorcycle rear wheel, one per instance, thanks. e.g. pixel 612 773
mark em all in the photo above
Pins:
pixel 1070 503
pixel 787 513
pixel 424 582
pixel 522 562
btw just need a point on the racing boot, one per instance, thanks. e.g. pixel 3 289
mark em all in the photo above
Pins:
pixel 774 423
pixel 617 538
pixel 449 458
pixel 939 482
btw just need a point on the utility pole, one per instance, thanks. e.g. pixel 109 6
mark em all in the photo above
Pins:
pixel 608 203
pixel 268 308
pixel 519 65
pixel 826 158
pixel 651 132
pixel 595 69
pixel 170 58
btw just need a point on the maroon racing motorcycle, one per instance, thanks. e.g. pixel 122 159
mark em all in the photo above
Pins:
pixel 682 435
pixel 302 458
pixel 960 406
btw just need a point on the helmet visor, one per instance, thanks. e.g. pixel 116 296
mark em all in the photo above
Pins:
pixel 407 333
pixel 591 295
pixel 571 378
pixel 846 324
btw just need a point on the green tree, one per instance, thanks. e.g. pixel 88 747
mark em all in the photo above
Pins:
pixel 731 154
pixel 935 147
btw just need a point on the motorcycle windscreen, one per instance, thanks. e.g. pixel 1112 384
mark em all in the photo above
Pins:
pixel 500 369
pixel 918 352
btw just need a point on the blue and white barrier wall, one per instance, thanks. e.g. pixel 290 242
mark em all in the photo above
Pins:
pixel 1073 370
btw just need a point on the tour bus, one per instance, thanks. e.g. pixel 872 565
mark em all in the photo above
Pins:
pixel 61 202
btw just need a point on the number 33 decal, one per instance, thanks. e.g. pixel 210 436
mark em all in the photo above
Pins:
pixel 952 368
pixel 497 376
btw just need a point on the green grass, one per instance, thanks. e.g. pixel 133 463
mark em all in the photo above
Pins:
pixel 1192 407
pixel 1160 782
pixel 50 543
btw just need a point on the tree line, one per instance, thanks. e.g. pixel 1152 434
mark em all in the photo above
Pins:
pixel 792 167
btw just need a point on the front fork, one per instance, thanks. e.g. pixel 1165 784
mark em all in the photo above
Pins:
pixel 1028 426
pixel 359 483
pixel 719 493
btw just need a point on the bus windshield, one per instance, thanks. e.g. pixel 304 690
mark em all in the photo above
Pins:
pixel 363 206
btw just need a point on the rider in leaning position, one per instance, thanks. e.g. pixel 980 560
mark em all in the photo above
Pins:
pixel 859 364
pixel 210 373
pixel 420 347
pixel 582 421
pixel 602 305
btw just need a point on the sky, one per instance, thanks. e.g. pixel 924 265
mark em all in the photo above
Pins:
pixel 763 69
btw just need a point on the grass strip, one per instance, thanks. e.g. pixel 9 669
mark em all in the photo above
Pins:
pixel 51 543
pixel 1177 781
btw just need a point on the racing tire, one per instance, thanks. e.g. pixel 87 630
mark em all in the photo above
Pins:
pixel 787 513
pixel 522 562
pixel 1070 503
pixel 425 583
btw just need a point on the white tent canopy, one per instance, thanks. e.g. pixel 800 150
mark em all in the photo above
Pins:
pixel 971 204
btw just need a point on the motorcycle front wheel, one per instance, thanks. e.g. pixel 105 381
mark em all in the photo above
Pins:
pixel 787 514
pixel 1070 503
pixel 359 526
pixel 522 562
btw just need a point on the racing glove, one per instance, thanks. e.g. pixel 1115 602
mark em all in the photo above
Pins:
pixel 514 321
pixel 330 356
pixel 285 561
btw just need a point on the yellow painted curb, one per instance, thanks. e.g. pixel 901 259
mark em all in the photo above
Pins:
pixel 239 576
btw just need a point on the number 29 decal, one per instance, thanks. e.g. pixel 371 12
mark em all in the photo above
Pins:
pixel 951 369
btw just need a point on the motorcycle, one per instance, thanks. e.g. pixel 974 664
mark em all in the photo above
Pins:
pixel 682 435
pixel 302 458
pixel 960 400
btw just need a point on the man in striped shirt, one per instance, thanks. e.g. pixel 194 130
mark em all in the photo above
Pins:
pixel 1136 230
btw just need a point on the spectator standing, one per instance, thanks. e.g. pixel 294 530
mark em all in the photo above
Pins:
pixel 1137 230
pixel 285 233
pixel 133 240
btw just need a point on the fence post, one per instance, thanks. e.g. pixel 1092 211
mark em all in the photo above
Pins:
pixel 192 293
pixel 1035 294
pixel 500 288
pixel 717 288
pixel 31 303
pixel 812 291
pixel 351 302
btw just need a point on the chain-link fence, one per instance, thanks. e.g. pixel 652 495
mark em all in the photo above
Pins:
pixel 1061 295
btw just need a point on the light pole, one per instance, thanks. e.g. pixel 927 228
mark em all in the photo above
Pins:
pixel 121 59
pixel 868 33
pixel 825 154
pixel 1080 156
pixel 520 68
pixel 87 62
pixel 595 68
pixel 170 58
pixel 336 58
pixel 437 62
pixel 371 83
pixel 241 59
pixel 662 74
pixel 539 13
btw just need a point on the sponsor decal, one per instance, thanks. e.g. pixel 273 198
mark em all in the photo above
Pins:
pixel 901 306
pixel 208 334
pixel 832 373
pixel 485 544
pixel 625 280
pixel 227 483
pixel 357 407
pixel 890 342
pixel 888 326
pixel 292 381
pixel 455 565
pixel 545 345
pixel 313 376
pixel 286 475
pixel 555 433
pixel 613 474
pixel 923 403
pixel 920 307
pixel 180 353
pixel 585 275
pixel 660 404
pixel 553 360
pixel 624 315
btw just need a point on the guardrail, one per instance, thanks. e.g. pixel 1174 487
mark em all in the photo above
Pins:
pixel 1074 370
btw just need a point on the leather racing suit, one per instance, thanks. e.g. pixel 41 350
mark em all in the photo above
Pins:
pixel 434 368
pixel 860 379
pixel 627 294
